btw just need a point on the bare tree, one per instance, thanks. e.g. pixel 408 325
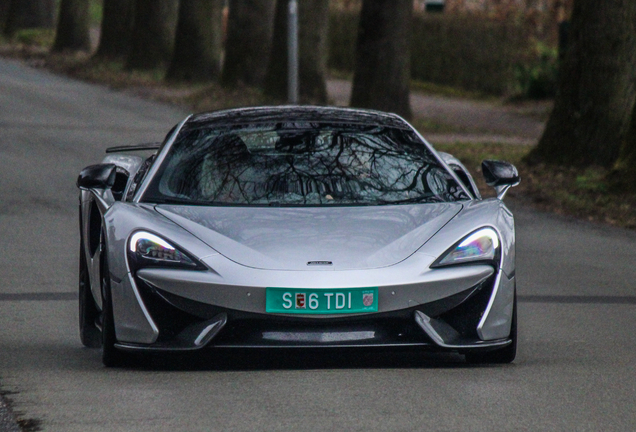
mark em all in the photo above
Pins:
pixel 249 40
pixel 117 26
pixel 383 70
pixel 72 27
pixel 23 14
pixel 313 22
pixel 153 34
pixel 596 88
pixel 197 51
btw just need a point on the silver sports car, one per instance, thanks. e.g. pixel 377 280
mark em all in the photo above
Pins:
pixel 295 227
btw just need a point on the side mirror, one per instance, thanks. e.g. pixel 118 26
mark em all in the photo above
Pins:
pixel 101 176
pixel 500 175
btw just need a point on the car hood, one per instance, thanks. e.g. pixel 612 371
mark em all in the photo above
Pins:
pixel 314 238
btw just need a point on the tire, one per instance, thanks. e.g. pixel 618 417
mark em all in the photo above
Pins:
pixel 502 355
pixel 88 311
pixel 111 356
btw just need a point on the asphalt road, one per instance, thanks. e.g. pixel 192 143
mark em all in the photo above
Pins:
pixel 577 354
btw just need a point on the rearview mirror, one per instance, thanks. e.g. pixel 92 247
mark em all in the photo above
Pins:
pixel 100 176
pixel 500 175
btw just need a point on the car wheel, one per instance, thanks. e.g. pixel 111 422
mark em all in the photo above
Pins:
pixel 88 311
pixel 503 355
pixel 111 356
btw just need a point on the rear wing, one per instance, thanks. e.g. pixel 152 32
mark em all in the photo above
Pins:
pixel 137 147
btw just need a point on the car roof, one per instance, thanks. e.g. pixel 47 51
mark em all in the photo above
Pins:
pixel 290 113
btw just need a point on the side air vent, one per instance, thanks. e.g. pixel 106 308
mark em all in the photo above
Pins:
pixel 94 229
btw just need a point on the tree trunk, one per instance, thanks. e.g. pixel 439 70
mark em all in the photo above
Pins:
pixel 4 12
pixel 249 41
pixel 23 14
pixel 153 34
pixel 313 23
pixel 596 87
pixel 382 72
pixel 72 27
pixel 117 26
pixel 383 69
pixel 313 26
pixel 623 175
pixel 197 50
pixel 275 84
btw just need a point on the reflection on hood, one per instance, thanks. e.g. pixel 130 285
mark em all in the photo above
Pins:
pixel 287 238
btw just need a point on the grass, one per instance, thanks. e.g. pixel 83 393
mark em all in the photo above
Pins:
pixel 585 194
pixel 428 126
pixel 148 84
pixel 42 37
pixel 430 88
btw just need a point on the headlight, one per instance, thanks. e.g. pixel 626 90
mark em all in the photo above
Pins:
pixel 149 250
pixel 480 246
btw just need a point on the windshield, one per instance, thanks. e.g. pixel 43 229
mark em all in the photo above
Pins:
pixel 301 164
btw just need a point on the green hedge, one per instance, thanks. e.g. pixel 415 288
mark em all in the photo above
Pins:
pixel 469 52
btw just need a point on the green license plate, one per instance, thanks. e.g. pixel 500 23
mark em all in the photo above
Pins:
pixel 321 301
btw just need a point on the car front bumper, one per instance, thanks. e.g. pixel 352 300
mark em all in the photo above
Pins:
pixel 459 309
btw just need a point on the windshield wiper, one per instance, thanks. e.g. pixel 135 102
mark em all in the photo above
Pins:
pixel 415 200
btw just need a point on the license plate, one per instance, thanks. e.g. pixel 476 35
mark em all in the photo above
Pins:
pixel 321 301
